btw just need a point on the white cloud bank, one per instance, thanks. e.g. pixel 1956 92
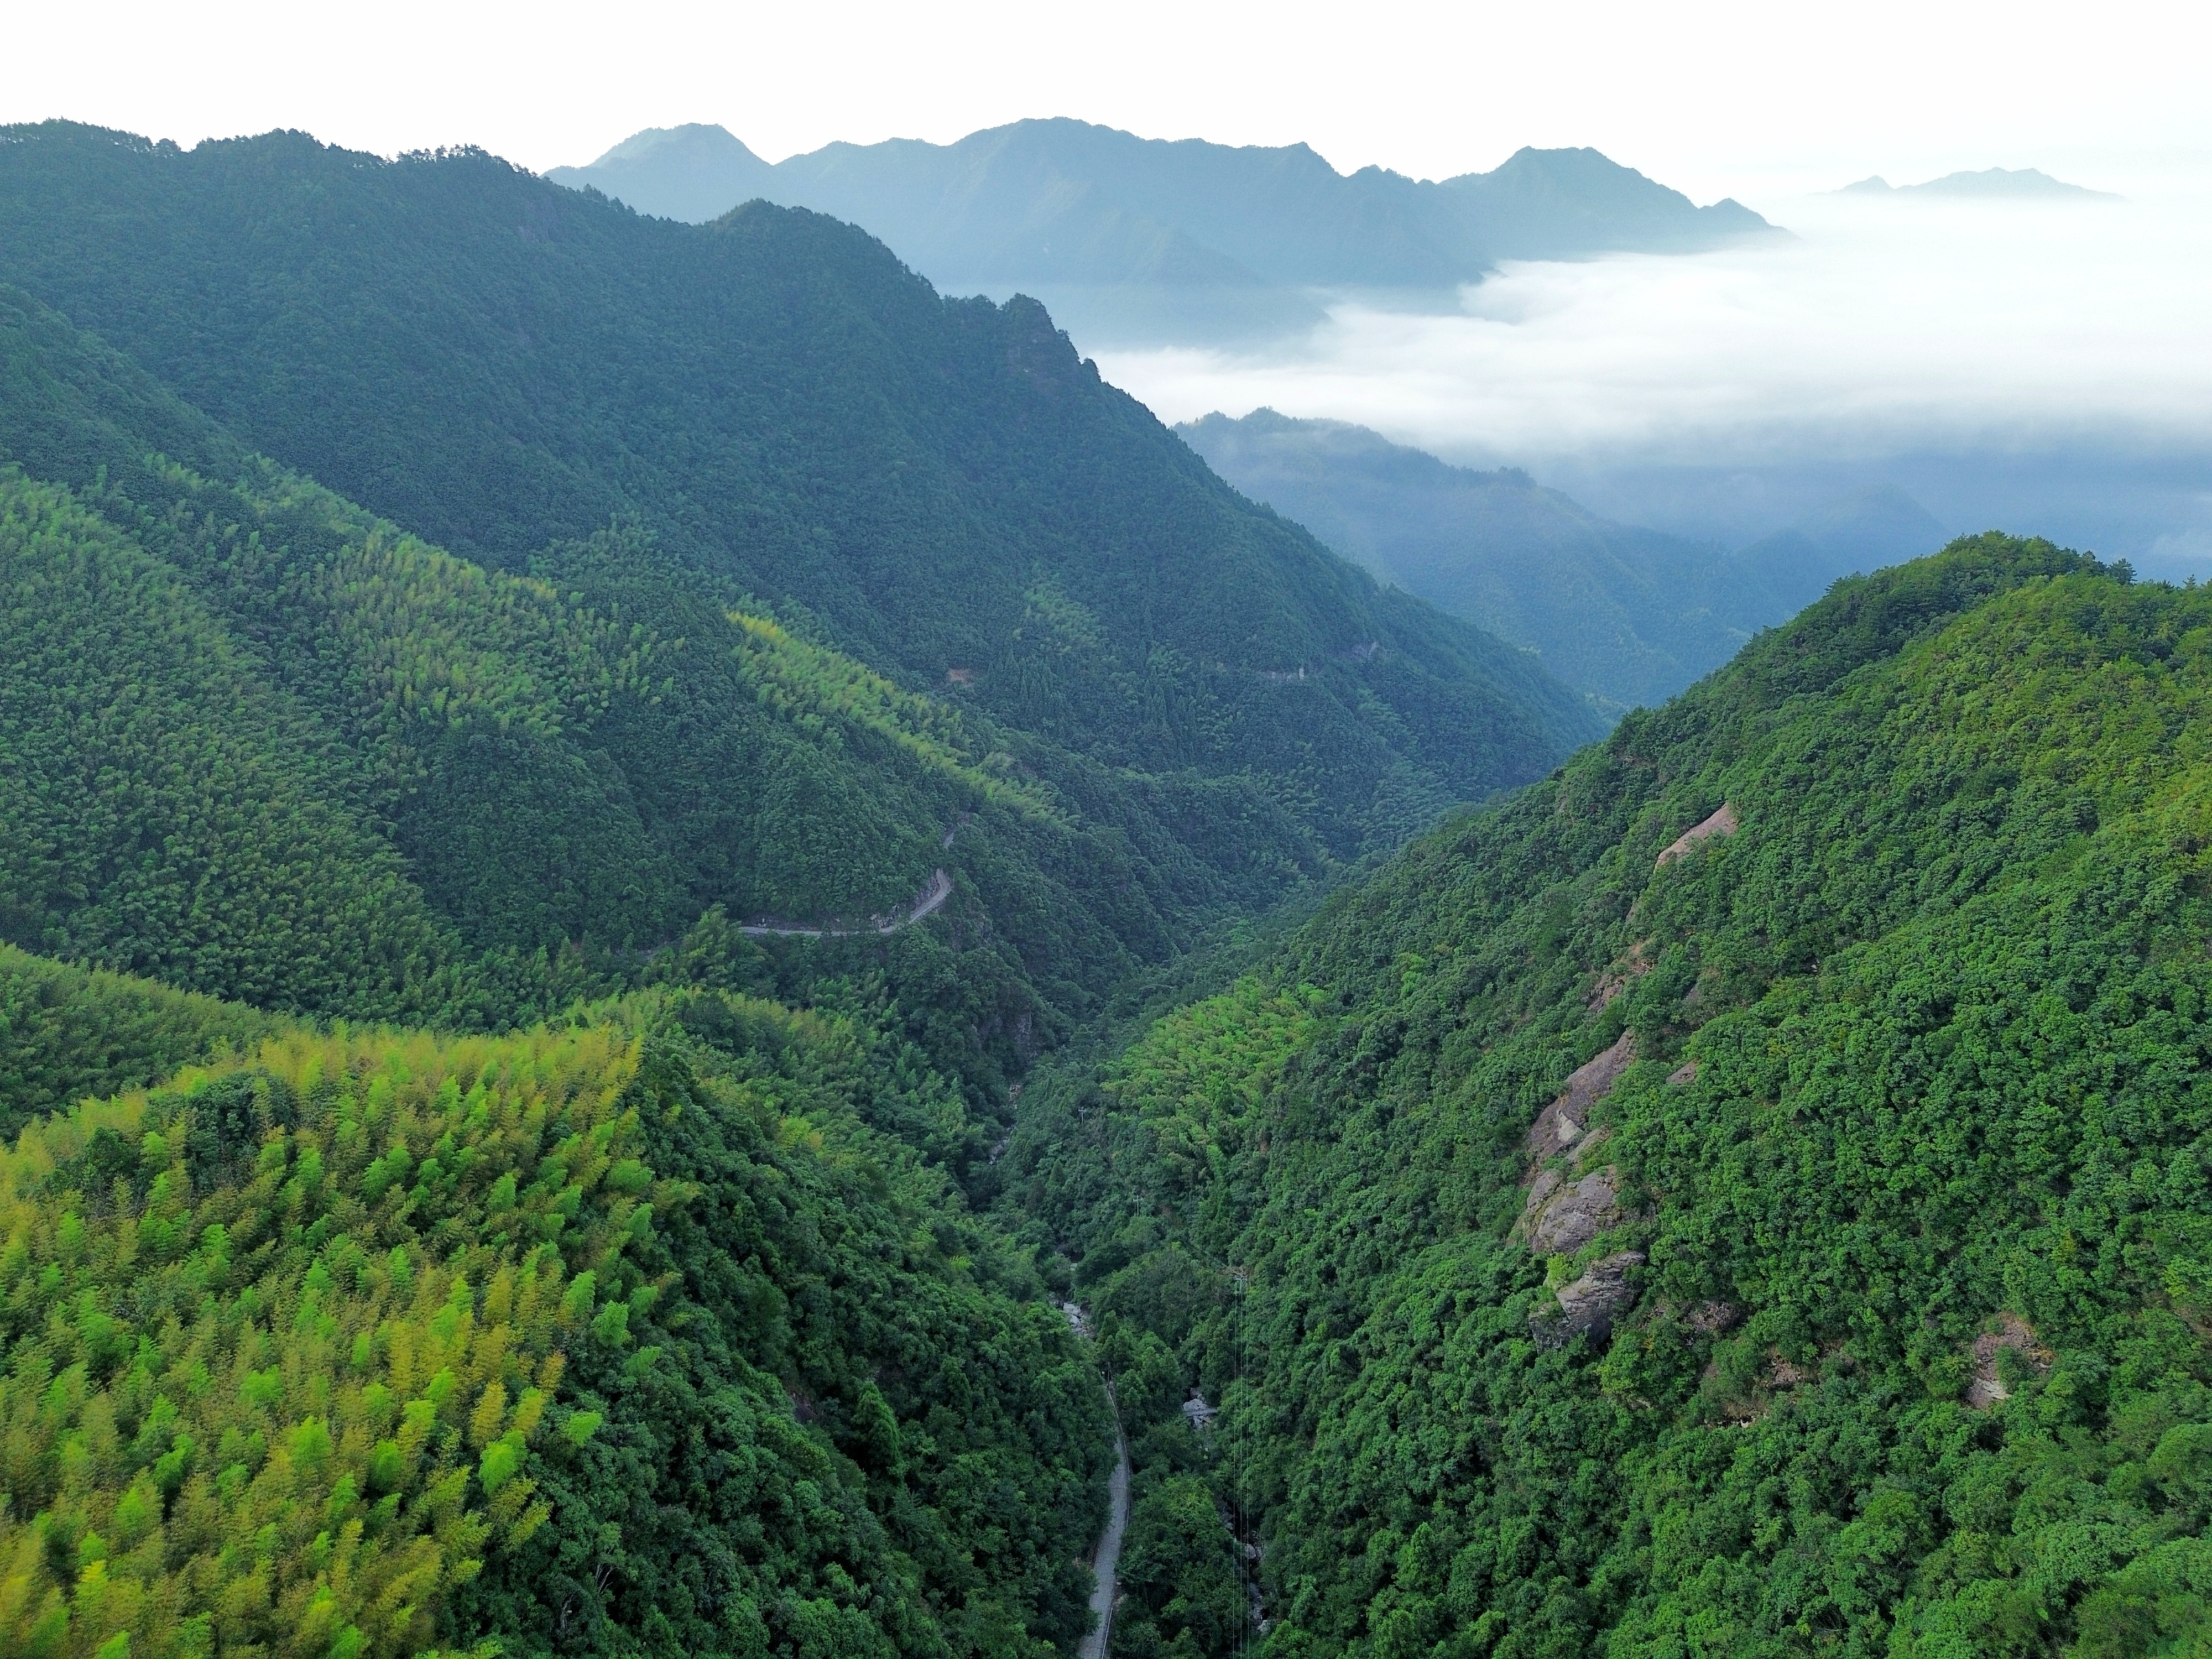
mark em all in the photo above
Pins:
pixel 1990 333
pixel 1886 324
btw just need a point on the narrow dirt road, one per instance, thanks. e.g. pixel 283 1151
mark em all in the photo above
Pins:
pixel 925 902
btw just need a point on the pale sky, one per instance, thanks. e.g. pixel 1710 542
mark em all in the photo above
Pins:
pixel 1738 97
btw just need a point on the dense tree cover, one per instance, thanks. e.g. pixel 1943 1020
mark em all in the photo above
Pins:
pixel 645 1334
pixel 502 364
pixel 356 774
pixel 665 1327
pixel 158 795
pixel 1904 1180
pixel 67 1033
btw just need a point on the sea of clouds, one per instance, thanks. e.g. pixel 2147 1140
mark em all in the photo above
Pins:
pixel 2042 366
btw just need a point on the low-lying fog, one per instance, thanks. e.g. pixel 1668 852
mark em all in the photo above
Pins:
pixel 2042 366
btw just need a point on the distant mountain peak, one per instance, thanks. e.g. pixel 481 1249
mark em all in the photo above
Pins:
pixel 696 136
pixel 2013 184
pixel 1149 238
pixel 695 172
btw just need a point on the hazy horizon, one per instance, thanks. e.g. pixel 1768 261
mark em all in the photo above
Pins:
pixel 2023 347
pixel 1719 99
pixel 1911 332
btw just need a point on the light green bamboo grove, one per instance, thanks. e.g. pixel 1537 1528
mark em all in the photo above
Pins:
pixel 282 1335
pixel 658 1333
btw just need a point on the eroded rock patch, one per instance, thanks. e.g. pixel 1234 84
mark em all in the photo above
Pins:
pixel 1723 823
pixel 2013 1335
pixel 1560 1126
pixel 1589 1305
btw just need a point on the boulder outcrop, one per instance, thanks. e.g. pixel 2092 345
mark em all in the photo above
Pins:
pixel 1560 1126
pixel 1590 1305
pixel 1722 823
pixel 1565 1215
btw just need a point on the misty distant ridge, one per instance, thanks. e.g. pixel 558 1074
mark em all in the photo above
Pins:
pixel 1137 238
pixel 1625 615
pixel 2014 184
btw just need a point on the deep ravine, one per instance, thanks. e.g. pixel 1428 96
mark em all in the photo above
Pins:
pixel 1106 1559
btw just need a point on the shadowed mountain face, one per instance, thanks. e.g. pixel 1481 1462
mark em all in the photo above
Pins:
pixel 1625 615
pixel 1149 236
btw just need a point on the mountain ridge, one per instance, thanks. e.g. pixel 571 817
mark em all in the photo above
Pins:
pixel 1626 615
pixel 774 617
pixel 2018 184
pixel 1843 989
pixel 1073 212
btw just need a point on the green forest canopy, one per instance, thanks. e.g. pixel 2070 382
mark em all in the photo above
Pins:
pixel 504 366
pixel 461 1235
pixel 307 1343
pixel 516 784
pixel 1897 1213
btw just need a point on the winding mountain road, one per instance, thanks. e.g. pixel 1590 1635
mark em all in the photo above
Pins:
pixel 925 902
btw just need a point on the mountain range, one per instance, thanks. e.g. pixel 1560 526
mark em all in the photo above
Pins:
pixel 1625 616
pixel 2021 184
pixel 556 932
pixel 702 956
pixel 916 590
pixel 1125 237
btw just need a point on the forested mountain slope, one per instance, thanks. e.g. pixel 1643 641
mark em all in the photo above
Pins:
pixel 651 1334
pixel 506 367
pixel 1747 1194
pixel 267 746
pixel 1625 615
pixel 263 744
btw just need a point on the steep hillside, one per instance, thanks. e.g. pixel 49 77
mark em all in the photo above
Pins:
pixel 267 746
pixel 263 745
pixel 942 488
pixel 1625 616
pixel 652 1334
pixel 1745 1195
pixel 69 1033
pixel 1128 237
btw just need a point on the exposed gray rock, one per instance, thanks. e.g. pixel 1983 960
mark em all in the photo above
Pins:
pixel 1590 1304
pixel 1559 1125
pixel 1569 1214
pixel 1547 1182
pixel 1722 823
pixel 1987 1387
